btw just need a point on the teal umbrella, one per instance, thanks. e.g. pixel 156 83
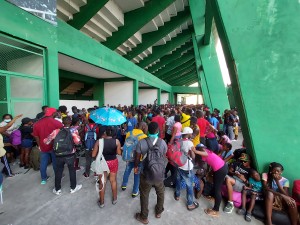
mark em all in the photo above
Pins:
pixel 107 116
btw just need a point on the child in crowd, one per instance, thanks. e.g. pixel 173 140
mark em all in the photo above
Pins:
pixel 254 191
pixel 227 153
pixel 277 194
pixel 27 141
pixel 223 138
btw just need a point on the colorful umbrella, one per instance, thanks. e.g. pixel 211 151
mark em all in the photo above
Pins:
pixel 107 116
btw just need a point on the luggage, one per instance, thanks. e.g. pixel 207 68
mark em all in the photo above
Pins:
pixel 34 158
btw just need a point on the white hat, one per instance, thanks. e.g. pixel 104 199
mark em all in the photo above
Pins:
pixel 187 130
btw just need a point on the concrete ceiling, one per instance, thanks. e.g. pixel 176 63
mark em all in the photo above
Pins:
pixel 76 66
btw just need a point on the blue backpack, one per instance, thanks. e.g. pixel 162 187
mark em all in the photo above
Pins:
pixel 130 147
pixel 90 137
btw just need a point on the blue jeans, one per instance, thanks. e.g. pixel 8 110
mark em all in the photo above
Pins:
pixel 136 184
pixel 44 163
pixel 187 176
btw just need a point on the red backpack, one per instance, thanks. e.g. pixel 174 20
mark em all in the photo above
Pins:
pixel 175 156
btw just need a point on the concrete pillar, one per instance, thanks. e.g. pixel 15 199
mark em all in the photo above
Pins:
pixel 158 96
pixel 52 78
pixel 98 92
pixel 213 75
pixel 171 98
pixel 135 92
pixel 261 47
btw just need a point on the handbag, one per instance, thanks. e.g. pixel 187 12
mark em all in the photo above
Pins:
pixel 99 166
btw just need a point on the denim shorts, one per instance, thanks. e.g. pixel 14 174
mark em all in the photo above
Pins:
pixel 26 143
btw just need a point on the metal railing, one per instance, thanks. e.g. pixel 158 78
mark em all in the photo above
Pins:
pixel 42 14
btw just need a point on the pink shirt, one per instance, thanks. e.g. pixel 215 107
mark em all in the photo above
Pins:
pixel 213 160
pixel 178 127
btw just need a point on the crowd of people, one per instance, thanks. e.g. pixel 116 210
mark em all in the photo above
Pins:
pixel 181 147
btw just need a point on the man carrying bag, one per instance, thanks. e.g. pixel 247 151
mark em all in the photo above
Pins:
pixel 153 150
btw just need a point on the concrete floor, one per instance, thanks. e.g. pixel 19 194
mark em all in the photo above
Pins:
pixel 27 202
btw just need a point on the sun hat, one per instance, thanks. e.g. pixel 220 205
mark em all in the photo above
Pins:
pixel 187 130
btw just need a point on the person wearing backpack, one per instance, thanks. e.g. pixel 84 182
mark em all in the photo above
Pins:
pixel 41 130
pixel 128 155
pixel 91 133
pixel 64 150
pixel 185 172
pixel 153 151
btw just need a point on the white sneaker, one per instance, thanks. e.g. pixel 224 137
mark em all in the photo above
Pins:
pixel 56 192
pixel 77 188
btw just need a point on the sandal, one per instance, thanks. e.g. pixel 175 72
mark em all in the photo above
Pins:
pixel 195 204
pixel 175 197
pixel 248 217
pixel 241 212
pixel 211 212
pixel 100 205
pixel 138 217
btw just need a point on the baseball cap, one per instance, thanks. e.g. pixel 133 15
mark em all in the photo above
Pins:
pixel 244 157
pixel 50 111
pixel 187 130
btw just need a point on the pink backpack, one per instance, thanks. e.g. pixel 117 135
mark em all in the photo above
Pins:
pixel 15 137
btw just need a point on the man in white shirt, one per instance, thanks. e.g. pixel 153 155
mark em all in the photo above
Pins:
pixel 185 172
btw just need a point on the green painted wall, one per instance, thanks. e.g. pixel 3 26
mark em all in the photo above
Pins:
pixel 213 75
pixel 261 45
pixel 230 97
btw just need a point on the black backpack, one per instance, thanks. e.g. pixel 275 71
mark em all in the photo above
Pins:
pixel 154 163
pixel 63 142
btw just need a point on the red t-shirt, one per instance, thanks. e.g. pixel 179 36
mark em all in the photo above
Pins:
pixel 160 121
pixel 203 124
pixel 296 190
pixel 43 128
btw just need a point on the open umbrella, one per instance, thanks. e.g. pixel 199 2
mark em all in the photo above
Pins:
pixel 107 116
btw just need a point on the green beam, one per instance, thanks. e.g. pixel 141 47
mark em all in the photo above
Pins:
pixel 185 73
pixel 77 77
pixel 135 20
pixel 182 72
pixel 208 22
pixel 151 38
pixel 64 83
pixel 84 89
pixel 202 83
pixel 185 90
pixel 116 79
pixel 86 12
pixel 181 79
pixel 159 51
pixel 176 63
pixel 74 97
pixel 190 81
pixel 170 57
pixel 197 8
pixel 70 43
pixel 181 69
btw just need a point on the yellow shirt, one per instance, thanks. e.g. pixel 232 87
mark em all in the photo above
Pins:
pixel 196 139
pixel 185 120
pixel 136 132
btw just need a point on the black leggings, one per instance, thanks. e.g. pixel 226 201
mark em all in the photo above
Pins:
pixel 219 177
